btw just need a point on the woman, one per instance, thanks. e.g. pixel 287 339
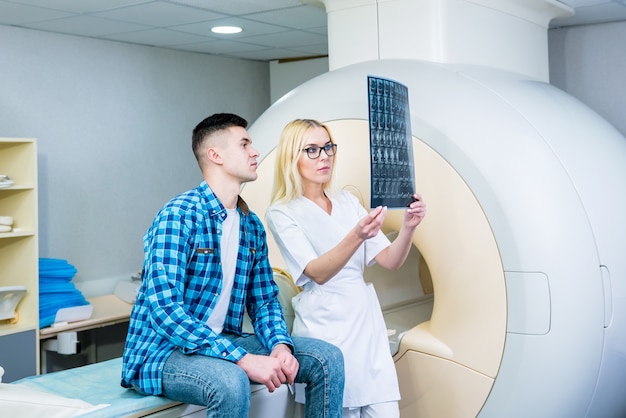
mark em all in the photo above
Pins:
pixel 326 239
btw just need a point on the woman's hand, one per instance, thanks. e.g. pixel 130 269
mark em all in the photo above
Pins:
pixel 415 212
pixel 394 255
pixel 326 266
pixel 370 224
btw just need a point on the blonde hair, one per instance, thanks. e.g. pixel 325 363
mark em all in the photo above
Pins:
pixel 287 179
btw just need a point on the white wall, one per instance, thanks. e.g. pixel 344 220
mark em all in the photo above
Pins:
pixel 113 123
pixel 589 62
pixel 285 76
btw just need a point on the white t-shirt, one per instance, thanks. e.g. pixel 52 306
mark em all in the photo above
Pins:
pixel 229 248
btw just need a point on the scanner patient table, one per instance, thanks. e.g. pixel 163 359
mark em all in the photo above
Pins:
pixel 97 386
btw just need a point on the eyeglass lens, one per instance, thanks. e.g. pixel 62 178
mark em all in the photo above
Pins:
pixel 314 152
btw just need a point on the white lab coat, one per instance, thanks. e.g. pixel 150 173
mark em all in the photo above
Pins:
pixel 344 311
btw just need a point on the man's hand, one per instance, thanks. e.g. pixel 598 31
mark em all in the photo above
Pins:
pixel 290 365
pixel 273 370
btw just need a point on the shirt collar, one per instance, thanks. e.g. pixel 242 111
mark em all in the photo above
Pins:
pixel 215 207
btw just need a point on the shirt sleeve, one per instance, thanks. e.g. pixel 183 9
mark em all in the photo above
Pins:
pixel 293 243
pixel 168 252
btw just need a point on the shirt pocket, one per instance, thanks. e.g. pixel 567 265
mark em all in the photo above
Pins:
pixel 204 262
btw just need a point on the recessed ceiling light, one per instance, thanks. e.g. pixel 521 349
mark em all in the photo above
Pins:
pixel 226 29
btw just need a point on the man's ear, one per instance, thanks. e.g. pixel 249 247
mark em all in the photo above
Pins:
pixel 214 156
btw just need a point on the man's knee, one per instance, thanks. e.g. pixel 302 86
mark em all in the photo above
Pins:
pixel 231 389
pixel 329 352
pixel 318 353
pixel 229 396
pixel 202 381
pixel 334 354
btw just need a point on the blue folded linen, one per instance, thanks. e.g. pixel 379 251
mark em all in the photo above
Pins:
pixel 56 290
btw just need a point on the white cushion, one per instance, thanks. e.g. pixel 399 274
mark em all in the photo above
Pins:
pixel 18 401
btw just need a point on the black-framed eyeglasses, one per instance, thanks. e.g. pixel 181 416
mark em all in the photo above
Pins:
pixel 314 152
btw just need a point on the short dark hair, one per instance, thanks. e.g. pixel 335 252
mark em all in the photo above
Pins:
pixel 214 123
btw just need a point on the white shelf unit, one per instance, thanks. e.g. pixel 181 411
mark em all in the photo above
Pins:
pixel 19 251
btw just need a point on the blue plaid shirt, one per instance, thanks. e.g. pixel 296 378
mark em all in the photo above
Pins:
pixel 182 278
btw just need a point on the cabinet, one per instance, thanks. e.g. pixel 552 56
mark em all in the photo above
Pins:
pixel 19 256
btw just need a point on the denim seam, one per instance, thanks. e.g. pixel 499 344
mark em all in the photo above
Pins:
pixel 325 371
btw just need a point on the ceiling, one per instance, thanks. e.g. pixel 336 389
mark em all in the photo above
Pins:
pixel 272 29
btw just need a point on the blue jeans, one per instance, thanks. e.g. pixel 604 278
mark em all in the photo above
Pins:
pixel 225 388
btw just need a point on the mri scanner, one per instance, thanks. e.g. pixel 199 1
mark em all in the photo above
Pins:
pixel 513 304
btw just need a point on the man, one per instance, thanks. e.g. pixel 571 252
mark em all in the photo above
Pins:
pixel 205 264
